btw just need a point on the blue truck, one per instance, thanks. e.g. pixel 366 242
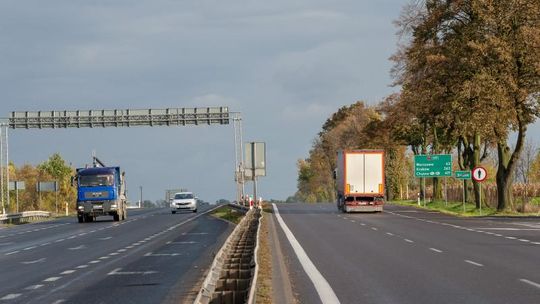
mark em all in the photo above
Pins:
pixel 101 190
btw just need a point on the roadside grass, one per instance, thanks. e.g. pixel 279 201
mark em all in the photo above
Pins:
pixel 264 257
pixel 229 214
pixel 456 208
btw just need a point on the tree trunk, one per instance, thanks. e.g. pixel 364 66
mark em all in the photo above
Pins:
pixel 504 177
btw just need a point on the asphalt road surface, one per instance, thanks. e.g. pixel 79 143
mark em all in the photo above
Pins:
pixel 405 255
pixel 152 257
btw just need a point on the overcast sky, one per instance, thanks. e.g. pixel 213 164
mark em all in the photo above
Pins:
pixel 286 65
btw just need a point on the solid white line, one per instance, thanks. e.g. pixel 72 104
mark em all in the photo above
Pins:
pixel 474 263
pixel 530 283
pixel 326 294
pixel 52 279
pixel 11 296
pixel 435 249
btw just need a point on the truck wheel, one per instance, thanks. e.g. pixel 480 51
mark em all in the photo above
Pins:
pixel 194 211
pixel 173 212
pixel 80 218
pixel 116 217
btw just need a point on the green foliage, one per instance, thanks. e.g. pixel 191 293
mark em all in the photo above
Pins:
pixel 54 169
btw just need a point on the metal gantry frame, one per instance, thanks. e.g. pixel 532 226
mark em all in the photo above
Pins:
pixel 4 165
pixel 239 175
pixel 121 118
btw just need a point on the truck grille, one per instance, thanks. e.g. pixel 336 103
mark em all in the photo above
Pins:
pixel 99 194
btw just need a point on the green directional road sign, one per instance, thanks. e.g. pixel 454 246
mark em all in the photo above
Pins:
pixel 463 174
pixel 436 165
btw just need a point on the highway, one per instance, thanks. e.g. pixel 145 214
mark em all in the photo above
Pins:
pixel 152 257
pixel 405 255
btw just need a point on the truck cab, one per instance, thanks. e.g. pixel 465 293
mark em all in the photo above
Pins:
pixel 100 191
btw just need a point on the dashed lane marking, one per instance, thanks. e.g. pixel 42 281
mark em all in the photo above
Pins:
pixel 68 271
pixel 408 241
pixel 11 296
pixel 474 263
pixel 34 287
pixel 52 279
pixel 435 249
pixel 530 283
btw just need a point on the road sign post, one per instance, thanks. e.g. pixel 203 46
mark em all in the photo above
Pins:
pixel 463 175
pixel 479 174
pixel 436 165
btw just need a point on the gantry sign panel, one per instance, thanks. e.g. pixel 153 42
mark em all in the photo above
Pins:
pixel 119 118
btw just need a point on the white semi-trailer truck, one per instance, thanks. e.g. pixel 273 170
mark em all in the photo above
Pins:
pixel 360 180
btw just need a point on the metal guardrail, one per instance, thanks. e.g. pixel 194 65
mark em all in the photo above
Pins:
pixel 23 217
pixel 232 275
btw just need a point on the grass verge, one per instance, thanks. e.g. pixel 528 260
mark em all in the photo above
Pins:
pixel 264 282
pixel 456 208
pixel 229 214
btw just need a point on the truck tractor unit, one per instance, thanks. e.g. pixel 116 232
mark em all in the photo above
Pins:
pixel 360 179
pixel 101 191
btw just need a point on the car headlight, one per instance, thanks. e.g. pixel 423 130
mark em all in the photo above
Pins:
pixel 80 207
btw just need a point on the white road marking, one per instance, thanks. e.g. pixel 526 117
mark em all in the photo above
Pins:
pixel 195 233
pixel 353 221
pixel 524 240
pixel 391 234
pixel 52 279
pixel 13 252
pixel 4 244
pixel 536 243
pixel 121 250
pixel 29 248
pixel 114 253
pixel 373 228
pixel 78 247
pixel 81 266
pixel 510 229
pixel 435 249
pixel 11 296
pixel 68 271
pixel 105 238
pixel 530 283
pixel 474 263
pixel 94 262
pixel 362 224
pixel 118 272
pixel 34 287
pixel 324 290
pixel 104 257
pixel 510 237
pixel 34 262
pixel 190 242
pixel 59 301
pixel 150 254
pixel 409 241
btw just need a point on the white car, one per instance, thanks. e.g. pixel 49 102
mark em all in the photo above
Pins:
pixel 183 201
